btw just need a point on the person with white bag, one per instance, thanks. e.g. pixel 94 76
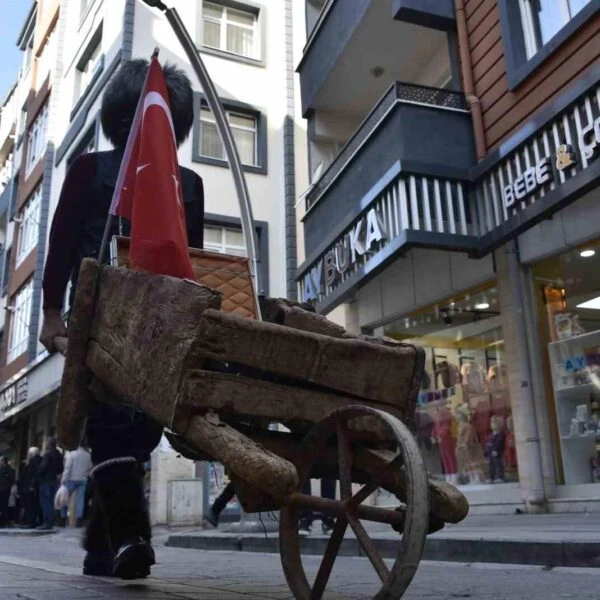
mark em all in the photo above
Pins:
pixel 77 469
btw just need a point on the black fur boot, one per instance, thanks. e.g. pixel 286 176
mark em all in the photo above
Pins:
pixel 119 488
pixel 99 557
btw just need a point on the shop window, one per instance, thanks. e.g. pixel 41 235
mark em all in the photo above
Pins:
pixel 29 226
pixel 37 139
pixel 464 421
pixel 232 28
pixel 19 324
pixel 225 240
pixel 568 305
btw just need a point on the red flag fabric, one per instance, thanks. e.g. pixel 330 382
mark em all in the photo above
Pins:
pixel 148 191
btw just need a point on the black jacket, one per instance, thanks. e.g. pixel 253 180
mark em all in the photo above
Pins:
pixel 7 478
pixel 80 218
pixel 52 466
pixel 29 478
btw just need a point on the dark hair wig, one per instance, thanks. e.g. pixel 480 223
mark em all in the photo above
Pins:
pixel 123 93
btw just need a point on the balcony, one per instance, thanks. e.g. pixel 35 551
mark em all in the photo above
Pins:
pixel 412 131
pixel 354 43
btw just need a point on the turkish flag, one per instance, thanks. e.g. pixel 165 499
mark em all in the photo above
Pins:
pixel 148 192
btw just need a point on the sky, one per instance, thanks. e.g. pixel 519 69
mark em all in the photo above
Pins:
pixel 12 19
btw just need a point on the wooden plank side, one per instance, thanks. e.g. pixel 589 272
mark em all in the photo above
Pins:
pixel 513 108
pixel 145 325
pixel 355 367
pixel 242 397
pixel 491 20
pixel 72 400
pixel 485 45
pixel 475 17
pixel 495 53
pixel 471 6
pixel 497 91
pixel 492 76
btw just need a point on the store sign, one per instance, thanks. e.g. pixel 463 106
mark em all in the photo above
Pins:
pixel 590 139
pixel 14 395
pixel 534 177
pixel 366 233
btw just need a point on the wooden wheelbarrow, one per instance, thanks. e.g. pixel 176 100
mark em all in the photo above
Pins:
pixel 216 381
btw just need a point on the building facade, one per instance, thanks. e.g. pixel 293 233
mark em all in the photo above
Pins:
pixel 453 205
pixel 77 45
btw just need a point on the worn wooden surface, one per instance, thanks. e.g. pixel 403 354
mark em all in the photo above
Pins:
pixel 143 329
pixel 354 367
pixel 239 397
pixel 247 460
pixel 72 400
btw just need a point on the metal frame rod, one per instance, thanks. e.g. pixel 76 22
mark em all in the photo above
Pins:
pixel 231 152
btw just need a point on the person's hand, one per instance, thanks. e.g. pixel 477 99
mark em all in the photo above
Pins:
pixel 53 327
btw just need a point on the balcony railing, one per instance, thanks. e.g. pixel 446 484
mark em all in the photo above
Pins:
pixel 399 93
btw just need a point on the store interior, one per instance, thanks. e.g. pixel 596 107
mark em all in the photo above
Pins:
pixel 464 421
pixel 567 289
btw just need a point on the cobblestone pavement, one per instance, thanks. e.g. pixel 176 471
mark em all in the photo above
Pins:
pixel 48 568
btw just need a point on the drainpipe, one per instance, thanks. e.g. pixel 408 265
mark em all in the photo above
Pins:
pixel 536 495
pixel 467 75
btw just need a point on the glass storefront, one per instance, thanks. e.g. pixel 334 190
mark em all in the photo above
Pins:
pixel 464 420
pixel 567 293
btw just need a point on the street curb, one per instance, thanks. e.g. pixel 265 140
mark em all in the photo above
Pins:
pixel 547 554
pixel 17 532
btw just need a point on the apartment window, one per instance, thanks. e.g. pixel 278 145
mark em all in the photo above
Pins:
pixel 83 8
pixel 29 226
pixel 85 146
pixel 45 60
pixel 543 19
pixel 90 65
pixel 244 129
pixel 532 30
pixel 28 58
pixel 19 326
pixel 225 240
pixel 233 28
pixel 6 271
pixel 37 139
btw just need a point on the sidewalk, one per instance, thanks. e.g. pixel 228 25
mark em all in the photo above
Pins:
pixel 552 540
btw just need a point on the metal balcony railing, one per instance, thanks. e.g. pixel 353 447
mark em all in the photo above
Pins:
pixel 398 93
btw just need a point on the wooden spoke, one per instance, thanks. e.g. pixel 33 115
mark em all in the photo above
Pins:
pixel 331 552
pixel 375 483
pixel 345 461
pixel 369 547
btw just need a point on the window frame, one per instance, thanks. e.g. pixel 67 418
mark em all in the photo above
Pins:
pixel 244 110
pixel 79 96
pixel 29 226
pixel 247 7
pixel 518 66
pixel 7 254
pixel 18 346
pixel 37 131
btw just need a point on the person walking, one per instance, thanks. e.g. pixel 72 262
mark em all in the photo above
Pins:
pixel 307 515
pixel 118 533
pixel 7 479
pixel 77 469
pixel 50 471
pixel 29 488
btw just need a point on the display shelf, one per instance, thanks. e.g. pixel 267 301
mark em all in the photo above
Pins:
pixel 565 361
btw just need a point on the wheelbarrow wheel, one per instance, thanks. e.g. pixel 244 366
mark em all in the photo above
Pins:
pixel 410 519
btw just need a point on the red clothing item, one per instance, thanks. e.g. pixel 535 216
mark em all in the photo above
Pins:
pixel 510 451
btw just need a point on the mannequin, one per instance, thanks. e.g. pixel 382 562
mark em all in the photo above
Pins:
pixel 494 451
pixel 468 451
pixel 510 451
pixel 442 433
pixel 481 420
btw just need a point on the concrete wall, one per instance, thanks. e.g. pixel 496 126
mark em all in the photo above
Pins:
pixel 420 278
